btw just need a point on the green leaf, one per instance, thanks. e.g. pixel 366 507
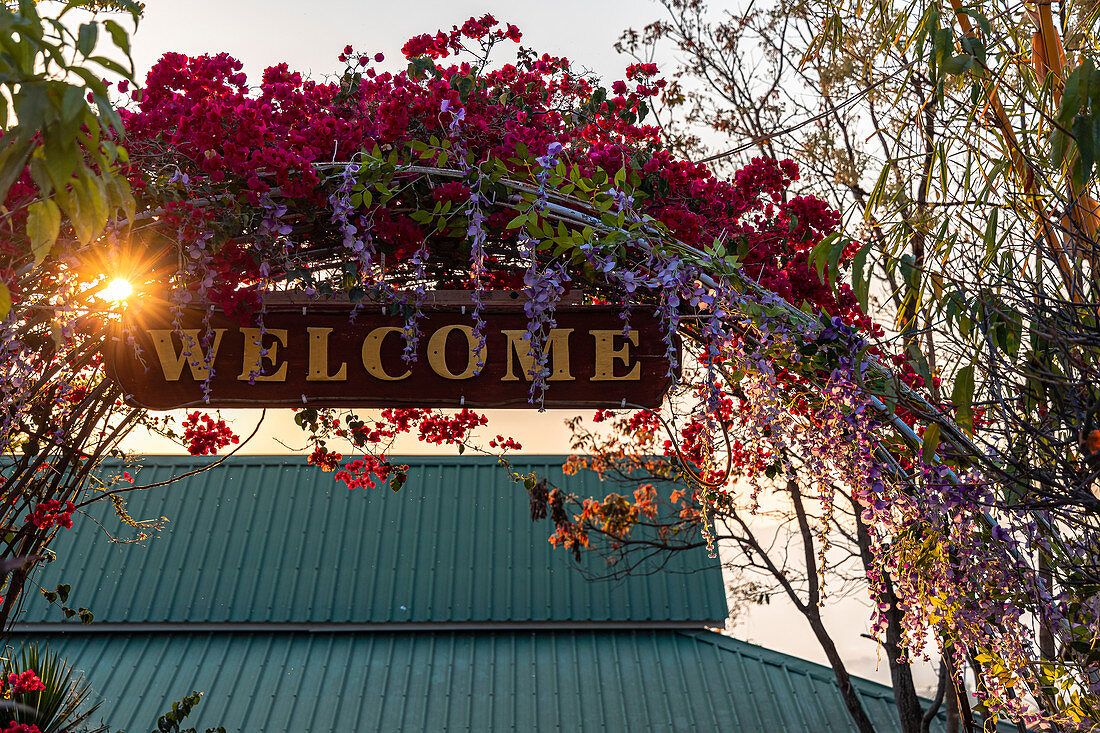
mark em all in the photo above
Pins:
pixel 957 64
pixel 91 80
pixel 420 67
pixel 43 226
pixel 73 106
pixel 30 108
pixel 990 237
pixel 931 444
pixel 118 35
pixel 1059 147
pixel 942 42
pixel 13 159
pixel 983 22
pixel 878 190
pixel 86 38
pixel 819 255
pixel 122 196
pixel 5 300
pixel 464 84
pixel 975 48
pixel 861 283
pixel 835 254
pixel 1082 134
pixel 1095 134
pixel 1072 98
pixel 60 160
pixel 962 396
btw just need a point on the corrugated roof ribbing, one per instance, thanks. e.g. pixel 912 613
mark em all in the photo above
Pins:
pixel 268 539
pixel 564 680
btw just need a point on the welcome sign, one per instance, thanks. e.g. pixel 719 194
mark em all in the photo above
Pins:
pixel 321 355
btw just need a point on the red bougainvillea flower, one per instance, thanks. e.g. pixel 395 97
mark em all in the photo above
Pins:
pixel 24 682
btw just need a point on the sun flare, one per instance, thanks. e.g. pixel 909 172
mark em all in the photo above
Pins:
pixel 117 291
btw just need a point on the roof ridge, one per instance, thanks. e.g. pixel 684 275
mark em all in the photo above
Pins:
pixel 339 627
pixel 301 459
pixel 782 659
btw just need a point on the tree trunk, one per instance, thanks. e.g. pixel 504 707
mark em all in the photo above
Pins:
pixel 906 701
pixel 937 701
pixel 910 713
pixel 843 679
pixel 958 694
pixel 810 610
pixel 1047 648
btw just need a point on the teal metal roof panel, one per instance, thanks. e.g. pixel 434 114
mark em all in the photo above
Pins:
pixel 270 539
pixel 566 680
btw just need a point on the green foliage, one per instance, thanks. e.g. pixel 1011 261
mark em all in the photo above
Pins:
pixel 62 705
pixel 60 596
pixel 931 443
pixel 170 722
pixel 826 255
pixel 962 397
pixel 71 148
pixel 1075 139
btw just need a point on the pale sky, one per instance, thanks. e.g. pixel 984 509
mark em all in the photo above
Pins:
pixel 309 36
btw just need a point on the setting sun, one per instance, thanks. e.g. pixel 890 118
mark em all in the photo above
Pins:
pixel 117 291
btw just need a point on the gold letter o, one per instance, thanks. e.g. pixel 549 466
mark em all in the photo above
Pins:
pixel 437 358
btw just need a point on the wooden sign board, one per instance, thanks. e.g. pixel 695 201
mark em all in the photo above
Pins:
pixel 316 354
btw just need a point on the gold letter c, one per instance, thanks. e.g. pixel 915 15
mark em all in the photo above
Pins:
pixel 372 353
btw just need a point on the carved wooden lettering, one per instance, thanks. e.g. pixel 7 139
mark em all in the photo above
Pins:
pixel 557 349
pixel 607 354
pixel 318 358
pixel 372 354
pixel 318 354
pixel 189 352
pixel 257 354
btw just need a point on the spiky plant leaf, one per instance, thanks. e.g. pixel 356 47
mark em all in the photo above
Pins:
pixel 61 706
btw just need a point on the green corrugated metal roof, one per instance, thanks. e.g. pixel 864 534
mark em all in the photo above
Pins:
pixel 270 539
pixel 265 540
pixel 655 680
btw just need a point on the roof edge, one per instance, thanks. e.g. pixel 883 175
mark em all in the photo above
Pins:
pixel 328 627
pixel 301 458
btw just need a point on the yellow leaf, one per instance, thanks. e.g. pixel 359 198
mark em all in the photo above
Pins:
pixel 43 226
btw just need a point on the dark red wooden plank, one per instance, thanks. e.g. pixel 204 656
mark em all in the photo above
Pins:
pixel 318 355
